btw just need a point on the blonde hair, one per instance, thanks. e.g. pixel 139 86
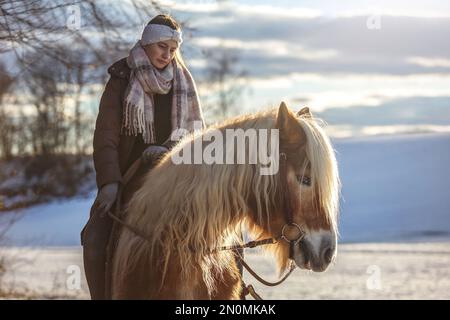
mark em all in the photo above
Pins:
pixel 324 170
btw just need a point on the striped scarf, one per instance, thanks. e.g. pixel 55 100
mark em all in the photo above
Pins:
pixel 145 82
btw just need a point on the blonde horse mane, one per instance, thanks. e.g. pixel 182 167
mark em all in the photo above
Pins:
pixel 324 169
pixel 188 210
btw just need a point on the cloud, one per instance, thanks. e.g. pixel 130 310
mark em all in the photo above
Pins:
pixel 390 12
pixel 347 131
pixel 321 91
pixel 349 90
pixel 415 114
pixel 316 8
pixel 271 48
pixel 277 12
pixel 274 40
pixel 429 62
pixel 415 110
pixel 229 7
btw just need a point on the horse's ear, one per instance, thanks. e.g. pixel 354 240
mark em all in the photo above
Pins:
pixel 305 113
pixel 291 133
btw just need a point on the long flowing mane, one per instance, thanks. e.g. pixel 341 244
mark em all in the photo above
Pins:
pixel 188 210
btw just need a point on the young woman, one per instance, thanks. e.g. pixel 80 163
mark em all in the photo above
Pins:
pixel 150 95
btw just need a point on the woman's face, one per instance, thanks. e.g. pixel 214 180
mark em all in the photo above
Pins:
pixel 161 53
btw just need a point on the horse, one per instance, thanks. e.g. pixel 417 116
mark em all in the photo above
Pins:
pixel 189 210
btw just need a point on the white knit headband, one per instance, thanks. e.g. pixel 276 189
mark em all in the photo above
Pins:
pixel 157 32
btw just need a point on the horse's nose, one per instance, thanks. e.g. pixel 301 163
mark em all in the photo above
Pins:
pixel 326 256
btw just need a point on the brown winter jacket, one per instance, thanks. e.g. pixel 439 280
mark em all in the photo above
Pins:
pixel 114 153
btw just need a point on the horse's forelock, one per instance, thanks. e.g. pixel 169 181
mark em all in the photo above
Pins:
pixel 323 167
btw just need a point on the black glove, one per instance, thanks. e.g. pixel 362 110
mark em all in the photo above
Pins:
pixel 153 153
pixel 106 197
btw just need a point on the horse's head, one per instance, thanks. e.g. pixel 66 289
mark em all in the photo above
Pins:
pixel 309 191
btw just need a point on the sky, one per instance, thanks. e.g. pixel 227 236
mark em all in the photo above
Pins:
pixel 365 67
pixel 352 59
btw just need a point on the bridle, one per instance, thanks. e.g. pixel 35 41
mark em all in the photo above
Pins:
pixel 289 225
pixel 289 214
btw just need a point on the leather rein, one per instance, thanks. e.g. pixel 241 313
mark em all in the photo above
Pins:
pixel 290 224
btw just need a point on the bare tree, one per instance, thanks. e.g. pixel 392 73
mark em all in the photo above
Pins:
pixel 99 27
pixel 8 130
pixel 222 75
pixel 60 48
pixel 79 80
pixel 7 127
pixel 46 85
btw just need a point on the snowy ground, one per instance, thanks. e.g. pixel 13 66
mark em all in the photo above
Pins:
pixel 361 271
pixel 394 226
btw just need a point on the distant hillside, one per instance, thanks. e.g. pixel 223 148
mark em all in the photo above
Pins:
pixel 395 187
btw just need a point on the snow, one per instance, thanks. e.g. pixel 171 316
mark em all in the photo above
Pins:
pixel 54 224
pixel 367 271
pixel 361 271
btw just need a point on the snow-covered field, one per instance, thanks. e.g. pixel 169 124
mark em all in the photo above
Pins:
pixel 361 271
pixel 394 230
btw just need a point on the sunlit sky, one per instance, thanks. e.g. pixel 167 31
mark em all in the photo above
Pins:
pixel 351 55
pixel 365 67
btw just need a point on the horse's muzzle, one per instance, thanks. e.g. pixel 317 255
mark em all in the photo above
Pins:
pixel 315 257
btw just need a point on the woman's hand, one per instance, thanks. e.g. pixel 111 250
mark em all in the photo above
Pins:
pixel 153 153
pixel 106 197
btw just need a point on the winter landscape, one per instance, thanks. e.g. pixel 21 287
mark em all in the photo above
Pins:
pixel 377 72
pixel 394 232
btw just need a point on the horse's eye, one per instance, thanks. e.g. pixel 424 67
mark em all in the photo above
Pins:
pixel 304 180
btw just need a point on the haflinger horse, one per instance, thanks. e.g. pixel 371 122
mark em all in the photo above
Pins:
pixel 188 210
